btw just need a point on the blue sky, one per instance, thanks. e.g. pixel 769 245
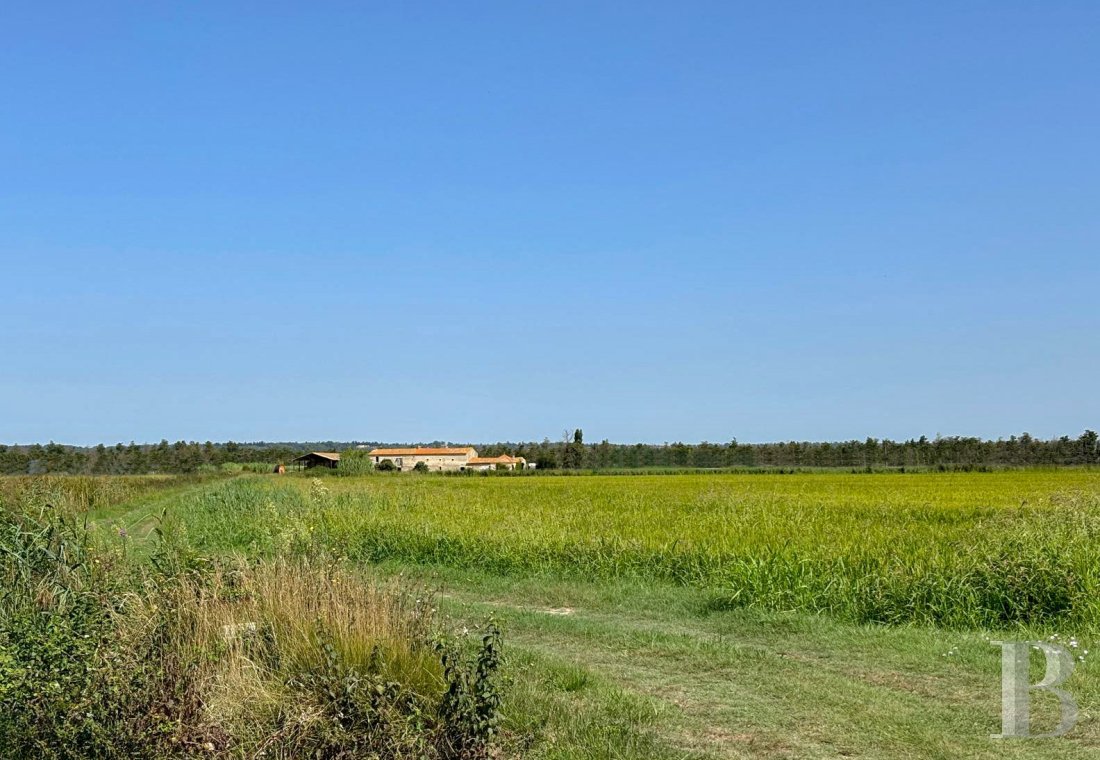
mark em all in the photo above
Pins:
pixel 489 221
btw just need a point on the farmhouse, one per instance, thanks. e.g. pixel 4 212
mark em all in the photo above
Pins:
pixel 317 459
pixel 446 459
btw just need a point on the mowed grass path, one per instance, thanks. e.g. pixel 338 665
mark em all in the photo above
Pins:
pixel 757 684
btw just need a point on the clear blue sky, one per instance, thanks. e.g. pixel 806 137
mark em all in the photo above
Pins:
pixel 482 221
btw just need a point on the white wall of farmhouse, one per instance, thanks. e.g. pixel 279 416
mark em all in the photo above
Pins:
pixel 445 459
pixel 435 462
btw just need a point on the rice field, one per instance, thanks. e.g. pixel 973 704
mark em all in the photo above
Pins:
pixel 967 550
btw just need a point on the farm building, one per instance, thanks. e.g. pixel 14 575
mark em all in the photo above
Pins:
pixel 503 462
pixel 317 459
pixel 445 459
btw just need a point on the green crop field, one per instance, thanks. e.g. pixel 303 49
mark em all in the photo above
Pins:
pixel 951 549
pixel 689 615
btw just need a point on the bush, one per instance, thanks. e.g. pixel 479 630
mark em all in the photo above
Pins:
pixel 70 684
pixel 421 467
pixel 386 465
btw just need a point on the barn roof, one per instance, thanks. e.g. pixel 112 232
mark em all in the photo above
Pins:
pixel 335 457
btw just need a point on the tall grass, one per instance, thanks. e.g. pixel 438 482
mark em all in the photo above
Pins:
pixel 104 656
pixel 79 493
pixel 966 550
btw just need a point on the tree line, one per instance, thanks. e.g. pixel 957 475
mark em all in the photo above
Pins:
pixel 954 452
pixel 137 459
pixel 572 453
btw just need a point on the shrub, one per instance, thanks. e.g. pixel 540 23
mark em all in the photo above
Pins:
pixel 386 465
pixel 421 467
pixel 70 685
pixel 471 705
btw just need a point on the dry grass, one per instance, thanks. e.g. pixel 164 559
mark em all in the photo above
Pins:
pixel 257 630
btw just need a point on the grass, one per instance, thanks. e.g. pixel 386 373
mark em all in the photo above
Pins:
pixel 962 550
pixel 753 683
pixel 695 616
pixel 79 494
pixel 104 655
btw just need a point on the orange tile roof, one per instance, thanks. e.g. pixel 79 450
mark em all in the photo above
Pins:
pixel 421 452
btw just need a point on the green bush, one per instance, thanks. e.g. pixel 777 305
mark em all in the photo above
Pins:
pixel 70 685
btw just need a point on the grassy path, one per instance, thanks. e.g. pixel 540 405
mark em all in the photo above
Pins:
pixel 139 516
pixel 749 685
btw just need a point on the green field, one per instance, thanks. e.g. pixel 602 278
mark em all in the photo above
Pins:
pixel 705 615
pixel 952 549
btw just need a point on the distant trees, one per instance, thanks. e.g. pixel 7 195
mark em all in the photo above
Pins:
pixel 571 452
pixel 543 455
pixel 120 459
pixel 13 460
pixel 1089 444
pixel 601 455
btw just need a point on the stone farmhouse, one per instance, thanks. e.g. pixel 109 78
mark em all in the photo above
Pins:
pixel 446 459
